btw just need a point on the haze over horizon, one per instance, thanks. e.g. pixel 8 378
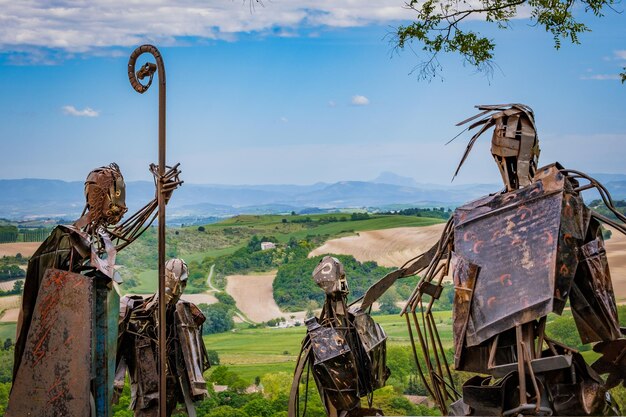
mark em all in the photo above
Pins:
pixel 293 92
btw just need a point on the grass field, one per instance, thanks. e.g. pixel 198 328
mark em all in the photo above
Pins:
pixel 273 224
pixel 212 253
pixel 255 352
pixel 7 331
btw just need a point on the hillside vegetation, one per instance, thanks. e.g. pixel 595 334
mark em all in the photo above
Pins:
pixel 233 245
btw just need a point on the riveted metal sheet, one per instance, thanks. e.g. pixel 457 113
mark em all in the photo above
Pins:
pixel 56 364
pixel 513 238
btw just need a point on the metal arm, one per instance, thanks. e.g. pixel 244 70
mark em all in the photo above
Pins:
pixel 604 195
pixel 441 385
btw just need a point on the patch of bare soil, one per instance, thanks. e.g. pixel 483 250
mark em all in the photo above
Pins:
pixel 616 251
pixel 10 315
pixel 202 298
pixel 12 249
pixel 393 247
pixel 388 247
pixel 8 285
pixel 254 297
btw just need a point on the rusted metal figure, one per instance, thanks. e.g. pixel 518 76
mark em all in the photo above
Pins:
pixel 344 349
pixel 514 257
pixel 186 354
pixel 67 330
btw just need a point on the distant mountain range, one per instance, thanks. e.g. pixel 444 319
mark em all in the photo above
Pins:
pixel 39 198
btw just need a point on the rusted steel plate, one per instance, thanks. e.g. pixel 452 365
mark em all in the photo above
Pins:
pixel 334 366
pixel 53 378
pixel 592 299
pixel 464 275
pixel 513 238
pixel 189 320
pixel 374 341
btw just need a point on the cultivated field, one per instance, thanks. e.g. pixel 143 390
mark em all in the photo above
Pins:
pixel 389 247
pixel 10 308
pixel 25 248
pixel 616 250
pixel 393 247
pixel 254 297
pixel 203 298
pixel 8 285
pixel 10 315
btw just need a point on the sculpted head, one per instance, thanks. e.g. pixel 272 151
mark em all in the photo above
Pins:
pixel 330 276
pixel 514 143
pixel 515 146
pixel 105 192
pixel 176 274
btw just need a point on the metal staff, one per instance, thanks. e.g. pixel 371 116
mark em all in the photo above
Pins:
pixel 148 70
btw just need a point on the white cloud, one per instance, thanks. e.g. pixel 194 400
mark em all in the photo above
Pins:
pixel 360 100
pixel 331 103
pixel 601 77
pixel 86 112
pixel 77 26
pixel 283 119
pixel 620 54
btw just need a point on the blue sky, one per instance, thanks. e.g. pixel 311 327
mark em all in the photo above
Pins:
pixel 291 92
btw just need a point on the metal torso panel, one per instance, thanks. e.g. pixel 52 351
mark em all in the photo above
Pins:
pixel 526 258
pixel 53 378
pixel 334 366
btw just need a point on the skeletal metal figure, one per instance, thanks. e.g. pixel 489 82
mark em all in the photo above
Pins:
pixel 67 330
pixel 344 349
pixel 515 257
pixel 186 354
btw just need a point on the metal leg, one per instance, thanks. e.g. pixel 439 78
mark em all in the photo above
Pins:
pixel 520 364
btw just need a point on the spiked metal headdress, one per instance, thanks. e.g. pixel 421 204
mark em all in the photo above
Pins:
pixel 514 144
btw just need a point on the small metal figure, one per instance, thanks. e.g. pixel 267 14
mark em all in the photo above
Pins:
pixel 344 347
pixel 186 354
pixel 516 256
pixel 67 330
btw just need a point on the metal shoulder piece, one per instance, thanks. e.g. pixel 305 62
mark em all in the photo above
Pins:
pixel 344 350
pixel 514 257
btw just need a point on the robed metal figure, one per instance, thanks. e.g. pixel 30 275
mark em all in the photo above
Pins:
pixel 186 354
pixel 344 350
pixel 514 257
pixel 67 330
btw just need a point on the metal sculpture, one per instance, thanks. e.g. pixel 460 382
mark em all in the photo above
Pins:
pixel 186 354
pixel 344 349
pixel 514 257
pixel 67 330
pixel 135 77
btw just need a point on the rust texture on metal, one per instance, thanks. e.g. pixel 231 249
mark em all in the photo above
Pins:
pixel 137 353
pixel 513 238
pixel 514 257
pixel 464 275
pixel 89 247
pixel 53 377
pixel 344 350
